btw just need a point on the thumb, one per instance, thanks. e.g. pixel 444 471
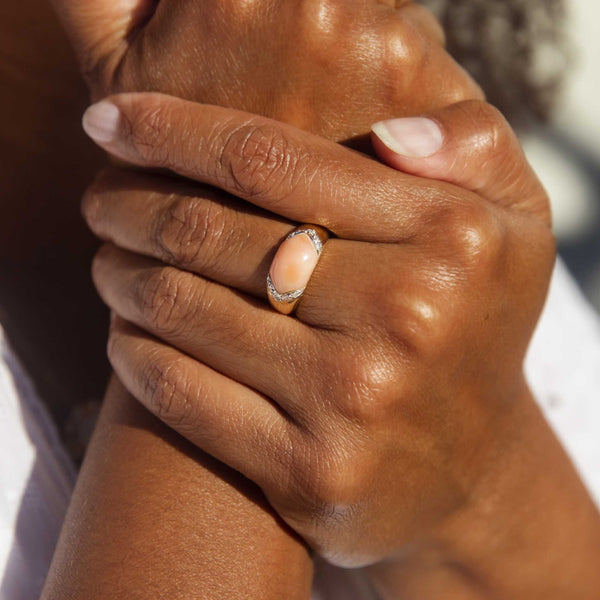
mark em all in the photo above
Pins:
pixel 99 30
pixel 469 144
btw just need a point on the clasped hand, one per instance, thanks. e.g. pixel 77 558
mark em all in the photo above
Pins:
pixel 382 412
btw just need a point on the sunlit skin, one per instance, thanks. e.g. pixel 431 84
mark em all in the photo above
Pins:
pixel 401 415
pixel 464 223
pixel 96 566
pixel 329 67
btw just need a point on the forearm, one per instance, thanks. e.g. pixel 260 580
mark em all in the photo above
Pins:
pixel 153 517
pixel 529 530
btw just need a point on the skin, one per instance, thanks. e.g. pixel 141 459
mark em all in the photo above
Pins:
pixel 446 482
pixel 168 522
pixel 297 61
pixel 24 113
pixel 437 579
pixel 76 559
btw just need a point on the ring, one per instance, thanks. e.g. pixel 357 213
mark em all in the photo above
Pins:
pixel 293 266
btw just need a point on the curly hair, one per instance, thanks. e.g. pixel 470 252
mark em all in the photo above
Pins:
pixel 515 49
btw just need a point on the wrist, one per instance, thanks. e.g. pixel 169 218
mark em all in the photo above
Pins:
pixel 529 528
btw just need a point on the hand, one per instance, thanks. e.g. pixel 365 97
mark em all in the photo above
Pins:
pixel 390 419
pixel 328 66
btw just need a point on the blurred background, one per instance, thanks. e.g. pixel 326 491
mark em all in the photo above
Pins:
pixel 566 153
pixel 537 61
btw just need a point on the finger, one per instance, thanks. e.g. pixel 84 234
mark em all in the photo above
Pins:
pixel 192 227
pixel 219 415
pixel 99 28
pixel 238 337
pixel 275 166
pixel 340 293
pixel 469 144
pixel 168 220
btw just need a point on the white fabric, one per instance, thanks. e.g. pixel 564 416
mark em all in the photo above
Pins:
pixel 563 369
pixel 36 479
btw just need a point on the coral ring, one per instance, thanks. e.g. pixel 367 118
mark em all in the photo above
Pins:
pixel 293 266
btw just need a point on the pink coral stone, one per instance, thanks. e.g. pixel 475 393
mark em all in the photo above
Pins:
pixel 293 264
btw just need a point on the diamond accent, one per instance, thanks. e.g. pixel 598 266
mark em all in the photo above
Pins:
pixel 314 238
pixel 286 298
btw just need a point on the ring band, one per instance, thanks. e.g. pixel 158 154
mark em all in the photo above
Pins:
pixel 293 266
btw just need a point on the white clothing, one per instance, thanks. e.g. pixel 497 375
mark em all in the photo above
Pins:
pixel 563 367
pixel 36 481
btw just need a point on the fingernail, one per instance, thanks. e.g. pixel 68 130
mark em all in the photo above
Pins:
pixel 414 137
pixel 101 122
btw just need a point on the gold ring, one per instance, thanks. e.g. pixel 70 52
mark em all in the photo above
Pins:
pixel 293 266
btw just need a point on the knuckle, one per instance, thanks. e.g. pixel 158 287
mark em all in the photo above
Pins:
pixel 414 320
pixel 191 230
pixel 473 252
pixel 405 45
pixel 258 159
pixel 328 483
pixel 469 237
pixel 337 35
pixel 370 384
pixel 427 328
pixel 492 131
pixel 323 17
pixel 477 239
pixel 167 391
pixel 417 313
pixel 164 299
pixel 148 129
pixel 426 20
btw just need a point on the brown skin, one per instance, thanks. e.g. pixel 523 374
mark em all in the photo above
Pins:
pixel 326 66
pixel 336 109
pixel 332 112
pixel 51 311
pixel 153 517
pixel 390 425
pixel 58 325
pixel 51 122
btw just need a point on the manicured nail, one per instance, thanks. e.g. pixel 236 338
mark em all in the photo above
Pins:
pixel 101 122
pixel 414 137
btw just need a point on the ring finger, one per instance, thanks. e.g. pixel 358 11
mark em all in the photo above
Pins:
pixel 224 240
pixel 193 227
